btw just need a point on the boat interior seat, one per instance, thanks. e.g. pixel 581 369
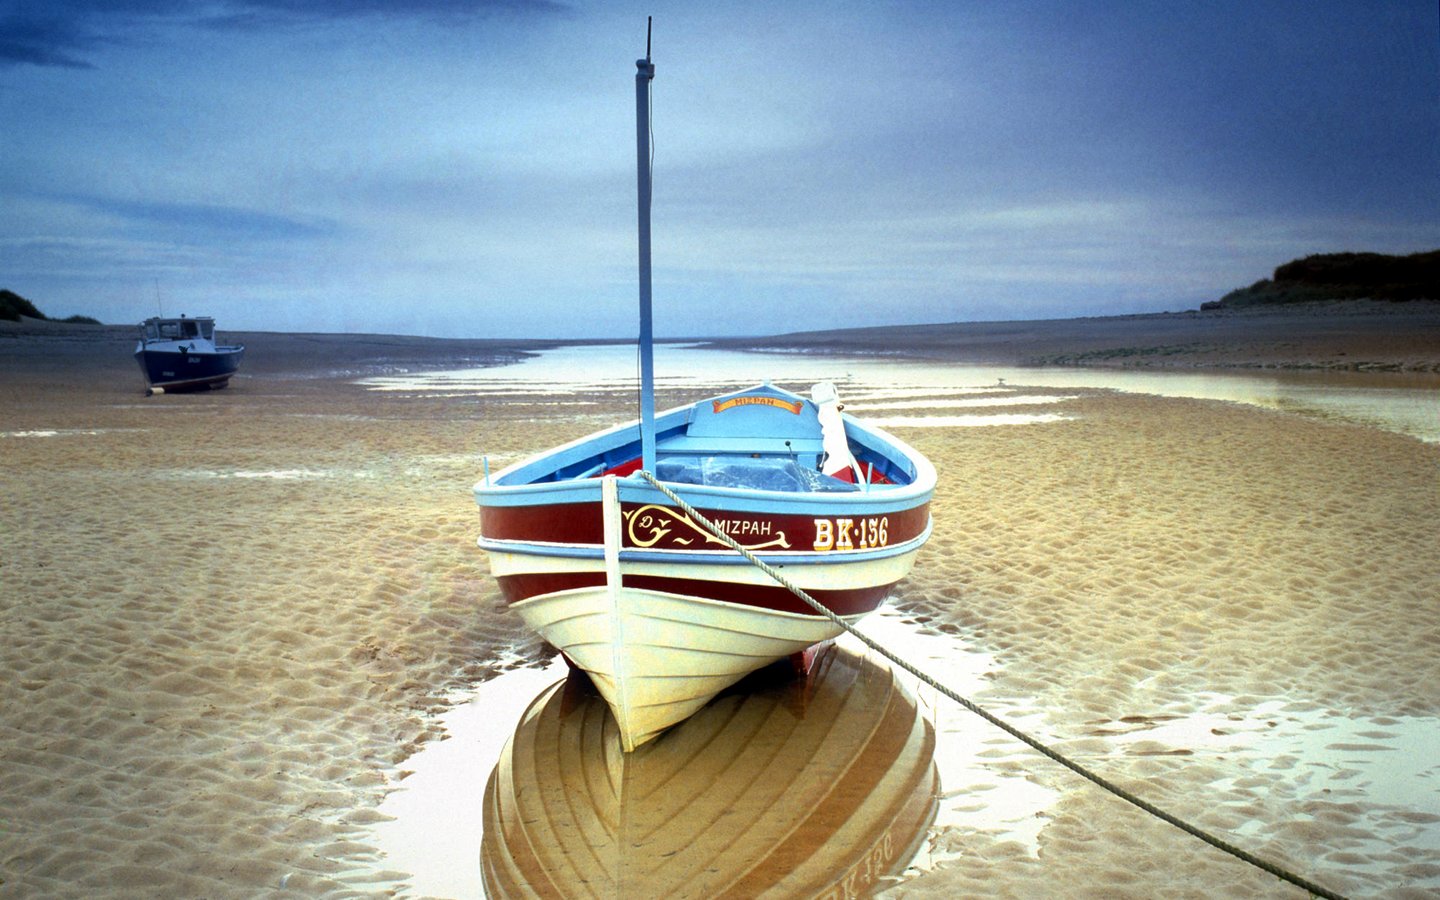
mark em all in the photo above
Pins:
pixel 805 451
pixel 761 422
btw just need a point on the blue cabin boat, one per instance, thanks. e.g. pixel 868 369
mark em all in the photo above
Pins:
pixel 182 355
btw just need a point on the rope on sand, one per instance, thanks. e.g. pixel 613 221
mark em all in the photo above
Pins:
pixel 1009 729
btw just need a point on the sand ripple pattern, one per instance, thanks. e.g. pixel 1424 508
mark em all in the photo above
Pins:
pixel 214 670
pixel 1155 562
pixel 211 680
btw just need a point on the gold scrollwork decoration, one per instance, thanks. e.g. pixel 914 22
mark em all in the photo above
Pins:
pixel 647 525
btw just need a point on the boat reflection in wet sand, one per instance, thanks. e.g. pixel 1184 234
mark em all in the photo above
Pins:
pixel 816 787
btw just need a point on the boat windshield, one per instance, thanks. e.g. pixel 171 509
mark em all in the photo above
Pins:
pixel 759 473
pixel 178 329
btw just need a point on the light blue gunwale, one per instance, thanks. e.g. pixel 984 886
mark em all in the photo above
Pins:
pixel 578 462
pixel 880 500
pixel 567 475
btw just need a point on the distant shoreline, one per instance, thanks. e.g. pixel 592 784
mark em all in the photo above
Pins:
pixel 1364 336
pixel 35 347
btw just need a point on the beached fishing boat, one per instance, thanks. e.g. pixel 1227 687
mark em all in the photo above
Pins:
pixel 181 354
pixel 821 788
pixel 660 612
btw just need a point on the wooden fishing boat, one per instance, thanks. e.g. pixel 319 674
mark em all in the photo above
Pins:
pixel 634 591
pixel 182 355
pixel 816 788
pixel 656 609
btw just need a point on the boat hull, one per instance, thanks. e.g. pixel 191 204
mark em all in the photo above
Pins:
pixel 638 591
pixel 178 370
pixel 659 657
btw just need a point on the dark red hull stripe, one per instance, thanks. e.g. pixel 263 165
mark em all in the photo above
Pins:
pixel 851 602
pixel 662 528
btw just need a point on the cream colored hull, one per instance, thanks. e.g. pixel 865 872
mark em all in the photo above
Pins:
pixel 658 653
pixel 657 658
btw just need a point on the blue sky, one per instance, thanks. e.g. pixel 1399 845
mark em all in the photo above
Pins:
pixel 467 169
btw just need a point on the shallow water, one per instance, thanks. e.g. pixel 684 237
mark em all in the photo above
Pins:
pixel 986 786
pixel 437 826
pixel 436 830
pixel 1406 404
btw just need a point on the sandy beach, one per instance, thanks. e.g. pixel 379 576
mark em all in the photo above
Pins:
pixel 230 617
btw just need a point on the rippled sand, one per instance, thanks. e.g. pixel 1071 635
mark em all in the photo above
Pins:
pixel 229 618
pixel 1156 559
pixel 226 618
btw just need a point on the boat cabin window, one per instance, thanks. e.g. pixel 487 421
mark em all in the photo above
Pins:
pixel 176 329
pixel 207 330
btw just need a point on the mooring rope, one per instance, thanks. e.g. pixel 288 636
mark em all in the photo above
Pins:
pixel 1004 726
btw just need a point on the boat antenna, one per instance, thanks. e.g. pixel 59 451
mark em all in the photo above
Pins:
pixel 643 76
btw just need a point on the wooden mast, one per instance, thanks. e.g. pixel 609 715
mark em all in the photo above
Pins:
pixel 643 77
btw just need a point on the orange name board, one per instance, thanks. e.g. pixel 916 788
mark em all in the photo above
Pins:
pixel 792 405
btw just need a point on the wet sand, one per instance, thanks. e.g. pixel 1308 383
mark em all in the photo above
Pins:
pixel 230 618
pixel 1341 335
pixel 1129 565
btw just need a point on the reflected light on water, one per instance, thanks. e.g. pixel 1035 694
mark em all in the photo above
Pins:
pixel 1407 404
pixel 973 402
pixel 435 830
pixel 790 787
pixel 987 789
pixel 973 421
pixel 837 770
pixel 438 818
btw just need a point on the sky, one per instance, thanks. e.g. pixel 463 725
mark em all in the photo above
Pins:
pixel 468 169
